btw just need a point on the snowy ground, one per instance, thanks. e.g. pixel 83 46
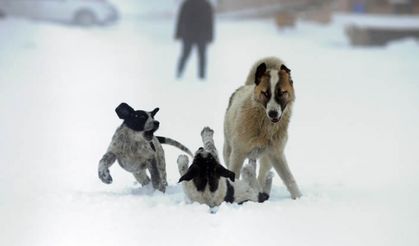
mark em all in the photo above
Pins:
pixel 353 139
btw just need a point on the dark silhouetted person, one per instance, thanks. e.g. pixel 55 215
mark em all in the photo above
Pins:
pixel 194 27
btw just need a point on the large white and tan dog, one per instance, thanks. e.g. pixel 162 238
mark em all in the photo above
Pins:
pixel 256 121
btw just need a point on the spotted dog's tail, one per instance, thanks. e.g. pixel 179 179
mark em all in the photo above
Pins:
pixel 169 141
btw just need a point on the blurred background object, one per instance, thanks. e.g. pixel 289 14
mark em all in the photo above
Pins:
pixel 194 28
pixel 80 12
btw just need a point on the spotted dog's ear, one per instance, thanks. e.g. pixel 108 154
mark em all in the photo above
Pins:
pixel 224 172
pixel 190 174
pixel 123 111
pixel 260 70
pixel 154 112
pixel 283 67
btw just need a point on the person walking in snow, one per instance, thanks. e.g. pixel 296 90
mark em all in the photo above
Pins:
pixel 195 26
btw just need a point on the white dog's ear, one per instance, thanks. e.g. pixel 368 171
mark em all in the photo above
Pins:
pixel 285 68
pixel 154 112
pixel 123 111
pixel 260 70
pixel 224 172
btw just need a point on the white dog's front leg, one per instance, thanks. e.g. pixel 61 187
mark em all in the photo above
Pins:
pixel 281 166
pixel 158 174
pixel 236 161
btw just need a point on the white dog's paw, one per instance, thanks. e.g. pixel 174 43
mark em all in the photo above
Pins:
pixel 295 191
pixel 105 176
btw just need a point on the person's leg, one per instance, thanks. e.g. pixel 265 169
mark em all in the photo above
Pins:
pixel 202 59
pixel 186 51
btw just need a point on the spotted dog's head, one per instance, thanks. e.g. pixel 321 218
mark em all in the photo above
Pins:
pixel 205 169
pixel 138 120
pixel 274 90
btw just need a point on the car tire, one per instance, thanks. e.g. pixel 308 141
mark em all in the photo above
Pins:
pixel 85 18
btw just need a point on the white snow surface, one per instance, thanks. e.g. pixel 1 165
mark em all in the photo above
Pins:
pixel 353 144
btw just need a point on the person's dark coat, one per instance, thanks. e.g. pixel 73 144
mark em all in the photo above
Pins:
pixel 195 22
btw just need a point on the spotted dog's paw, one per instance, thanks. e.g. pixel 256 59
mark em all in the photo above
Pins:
pixel 105 176
pixel 162 187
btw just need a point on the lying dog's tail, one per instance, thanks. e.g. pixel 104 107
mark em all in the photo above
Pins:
pixel 169 141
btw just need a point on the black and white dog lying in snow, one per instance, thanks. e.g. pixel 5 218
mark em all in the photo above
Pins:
pixel 206 181
pixel 137 149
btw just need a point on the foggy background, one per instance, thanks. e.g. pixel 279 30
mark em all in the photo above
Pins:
pixel 65 65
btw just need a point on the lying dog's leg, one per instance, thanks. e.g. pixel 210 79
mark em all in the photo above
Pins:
pixel 249 175
pixel 158 175
pixel 182 164
pixel 142 177
pixel 207 138
pixel 267 184
pixel 255 192
pixel 209 146
pixel 281 166
pixel 103 170
pixel 264 168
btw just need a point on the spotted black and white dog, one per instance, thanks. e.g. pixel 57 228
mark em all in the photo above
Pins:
pixel 137 149
pixel 206 181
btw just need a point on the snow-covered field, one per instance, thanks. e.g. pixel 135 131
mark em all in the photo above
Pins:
pixel 353 146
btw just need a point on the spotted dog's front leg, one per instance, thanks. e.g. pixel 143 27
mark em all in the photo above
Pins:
pixel 281 166
pixel 158 174
pixel 103 170
pixel 141 177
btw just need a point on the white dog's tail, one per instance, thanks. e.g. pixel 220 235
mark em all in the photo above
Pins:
pixel 169 141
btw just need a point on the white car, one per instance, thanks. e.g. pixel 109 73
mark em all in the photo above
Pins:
pixel 82 12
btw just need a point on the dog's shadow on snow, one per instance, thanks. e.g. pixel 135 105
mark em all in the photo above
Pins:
pixel 173 193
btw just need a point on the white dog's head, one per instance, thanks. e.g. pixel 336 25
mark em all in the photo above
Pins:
pixel 274 90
